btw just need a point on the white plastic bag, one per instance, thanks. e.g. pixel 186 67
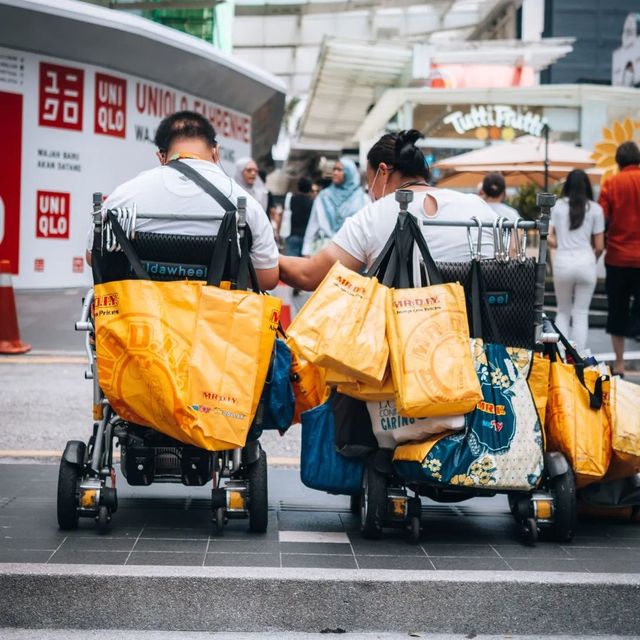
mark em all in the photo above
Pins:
pixel 285 224
pixel 390 428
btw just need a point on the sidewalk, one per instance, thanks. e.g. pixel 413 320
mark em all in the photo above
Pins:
pixel 312 569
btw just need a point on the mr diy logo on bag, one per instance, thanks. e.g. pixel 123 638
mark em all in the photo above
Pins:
pixel 106 305
pixel 348 287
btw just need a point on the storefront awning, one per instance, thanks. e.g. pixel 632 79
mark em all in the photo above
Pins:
pixel 349 77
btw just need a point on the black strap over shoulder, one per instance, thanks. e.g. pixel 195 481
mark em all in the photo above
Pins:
pixel 204 184
pixel 229 261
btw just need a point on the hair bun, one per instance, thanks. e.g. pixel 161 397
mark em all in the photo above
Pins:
pixel 410 136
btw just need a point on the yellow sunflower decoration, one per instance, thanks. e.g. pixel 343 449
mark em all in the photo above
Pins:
pixel 605 151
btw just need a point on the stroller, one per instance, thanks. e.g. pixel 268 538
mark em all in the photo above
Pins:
pixel 515 290
pixel 87 476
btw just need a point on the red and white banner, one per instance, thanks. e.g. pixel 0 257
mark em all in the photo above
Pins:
pixel 71 129
pixel 10 178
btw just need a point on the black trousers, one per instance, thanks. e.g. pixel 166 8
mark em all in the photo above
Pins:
pixel 623 295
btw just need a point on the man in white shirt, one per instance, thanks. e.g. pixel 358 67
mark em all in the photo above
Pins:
pixel 189 137
pixel 493 192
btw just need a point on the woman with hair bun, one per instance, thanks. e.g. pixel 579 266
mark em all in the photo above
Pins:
pixel 394 162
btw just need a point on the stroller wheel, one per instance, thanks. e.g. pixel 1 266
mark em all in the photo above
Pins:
pixel 219 520
pixel 258 495
pixel 563 490
pixel 67 505
pixel 103 518
pixel 529 531
pixel 414 529
pixel 373 501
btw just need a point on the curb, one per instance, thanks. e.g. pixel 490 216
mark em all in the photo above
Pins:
pixel 307 600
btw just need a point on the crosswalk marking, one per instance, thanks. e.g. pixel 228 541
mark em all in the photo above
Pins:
pixel 335 537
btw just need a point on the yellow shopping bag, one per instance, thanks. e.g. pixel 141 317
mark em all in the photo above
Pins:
pixel 625 422
pixel 539 383
pixel 429 351
pixel 342 326
pixel 577 420
pixel 349 386
pixel 309 387
pixel 187 359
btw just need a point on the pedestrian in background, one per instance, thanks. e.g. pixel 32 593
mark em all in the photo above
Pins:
pixel 576 231
pixel 333 205
pixel 297 211
pixel 620 200
pixel 247 176
pixel 493 192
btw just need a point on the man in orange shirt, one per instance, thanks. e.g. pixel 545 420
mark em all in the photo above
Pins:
pixel 620 200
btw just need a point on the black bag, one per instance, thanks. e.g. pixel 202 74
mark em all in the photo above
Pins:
pixel 353 430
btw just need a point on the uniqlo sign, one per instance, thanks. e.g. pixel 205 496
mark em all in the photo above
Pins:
pixel 61 93
pixel 52 214
pixel 110 105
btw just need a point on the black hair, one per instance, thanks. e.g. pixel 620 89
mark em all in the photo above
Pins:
pixel 399 151
pixel 494 185
pixel 627 154
pixel 184 124
pixel 304 185
pixel 578 189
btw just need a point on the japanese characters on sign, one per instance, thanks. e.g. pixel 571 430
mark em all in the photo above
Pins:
pixel 61 96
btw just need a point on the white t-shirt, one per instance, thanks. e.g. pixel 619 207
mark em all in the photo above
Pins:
pixel 365 233
pixel 504 211
pixel 165 190
pixel 580 238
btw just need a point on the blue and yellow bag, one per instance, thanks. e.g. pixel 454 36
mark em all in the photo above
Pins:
pixel 501 446
pixel 321 466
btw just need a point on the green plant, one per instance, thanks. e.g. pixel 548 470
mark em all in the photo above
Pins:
pixel 525 199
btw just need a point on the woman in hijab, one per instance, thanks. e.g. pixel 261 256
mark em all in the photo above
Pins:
pixel 333 205
pixel 248 178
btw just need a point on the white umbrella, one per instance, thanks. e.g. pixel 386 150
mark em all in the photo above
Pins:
pixel 521 151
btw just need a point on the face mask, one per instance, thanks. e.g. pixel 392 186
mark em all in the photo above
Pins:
pixel 384 188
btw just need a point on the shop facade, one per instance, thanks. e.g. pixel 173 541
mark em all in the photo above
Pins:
pixel 458 120
pixel 80 111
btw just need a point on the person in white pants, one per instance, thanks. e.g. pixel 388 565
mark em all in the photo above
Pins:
pixel 577 232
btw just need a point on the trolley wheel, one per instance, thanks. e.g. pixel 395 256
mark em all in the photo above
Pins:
pixel 513 505
pixel 68 481
pixel 414 529
pixel 373 502
pixel 563 491
pixel 219 520
pixel 354 504
pixel 258 495
pixel 103 518
pixel 529 531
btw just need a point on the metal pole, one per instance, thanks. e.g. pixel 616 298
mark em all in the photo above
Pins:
pixel 545 201
pixel 545 130
pixel 403 198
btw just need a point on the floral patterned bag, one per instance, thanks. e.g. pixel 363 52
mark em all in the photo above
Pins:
pixel 501 446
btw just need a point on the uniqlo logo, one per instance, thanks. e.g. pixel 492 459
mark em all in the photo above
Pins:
pixel 61 93
pixel 38 264
pixel 110 105
pixel 52 214
pixel 78 264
